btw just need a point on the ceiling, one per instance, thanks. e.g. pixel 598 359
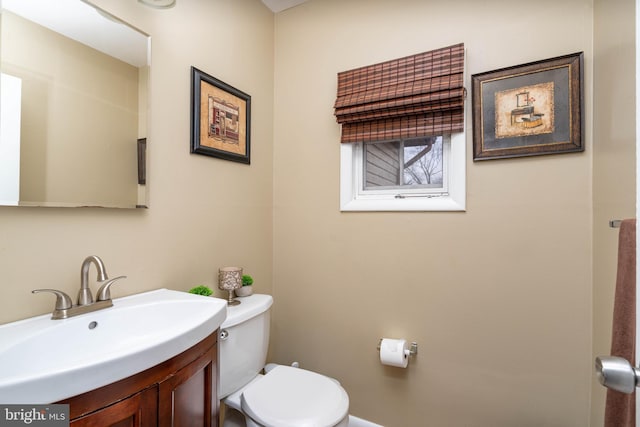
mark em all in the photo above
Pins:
pixel 84 23
pixel 280 5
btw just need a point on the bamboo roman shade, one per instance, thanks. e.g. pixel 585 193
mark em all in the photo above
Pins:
pixel 416 96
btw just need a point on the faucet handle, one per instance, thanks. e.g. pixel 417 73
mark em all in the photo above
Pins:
pixel 63 301
pixel 104 291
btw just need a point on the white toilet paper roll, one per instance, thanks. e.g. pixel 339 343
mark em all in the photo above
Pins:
pixel 394 352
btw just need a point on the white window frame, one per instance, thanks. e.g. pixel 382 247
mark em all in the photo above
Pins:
pixel 351 171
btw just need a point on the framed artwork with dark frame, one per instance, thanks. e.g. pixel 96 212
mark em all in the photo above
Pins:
pixel 529 110
pixel 220 119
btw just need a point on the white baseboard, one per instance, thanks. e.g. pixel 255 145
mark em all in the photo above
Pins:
pixel 359 422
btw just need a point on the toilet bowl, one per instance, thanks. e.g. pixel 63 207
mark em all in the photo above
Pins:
pixel 282 397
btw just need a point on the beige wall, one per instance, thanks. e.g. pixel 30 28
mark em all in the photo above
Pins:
pixel 205 213
pixel 614 110
pixel 499 297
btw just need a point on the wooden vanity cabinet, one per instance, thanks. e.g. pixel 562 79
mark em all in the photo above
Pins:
pixel 179 392
pixel 137 410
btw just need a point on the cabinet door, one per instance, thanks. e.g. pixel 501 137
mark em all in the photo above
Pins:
pixel 188 398
pixel 139 410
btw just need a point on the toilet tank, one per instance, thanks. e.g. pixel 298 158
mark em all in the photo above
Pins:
pixel 243 342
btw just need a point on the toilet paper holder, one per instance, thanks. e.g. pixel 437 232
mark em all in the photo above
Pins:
pixel 413 349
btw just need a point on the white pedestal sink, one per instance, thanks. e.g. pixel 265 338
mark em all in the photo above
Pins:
pixel 44 360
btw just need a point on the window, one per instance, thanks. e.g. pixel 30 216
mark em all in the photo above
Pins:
pixel 416 165
pixel 432 176
pixel 402 133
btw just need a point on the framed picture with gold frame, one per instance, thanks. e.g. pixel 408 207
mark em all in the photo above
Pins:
pixel 220 119
pixel 529 110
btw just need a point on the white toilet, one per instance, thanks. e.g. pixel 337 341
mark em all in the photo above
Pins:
pixel 284 396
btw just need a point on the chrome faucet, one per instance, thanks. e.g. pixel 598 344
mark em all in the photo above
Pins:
pixel 64 307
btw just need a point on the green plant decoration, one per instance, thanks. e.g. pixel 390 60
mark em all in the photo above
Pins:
pixel 201 290
pixel 247 280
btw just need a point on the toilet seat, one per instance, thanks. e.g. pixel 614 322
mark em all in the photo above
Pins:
pixel 292 397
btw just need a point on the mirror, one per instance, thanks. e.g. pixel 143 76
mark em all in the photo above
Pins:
pixel 74 93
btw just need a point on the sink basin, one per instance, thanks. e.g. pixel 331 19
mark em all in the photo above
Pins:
pixel 44 360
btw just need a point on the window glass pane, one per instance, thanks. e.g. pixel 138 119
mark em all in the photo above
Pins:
pixel 423 162
pixel 382 164
pixel 415 163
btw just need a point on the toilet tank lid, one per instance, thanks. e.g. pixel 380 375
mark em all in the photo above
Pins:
pixel 249 307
